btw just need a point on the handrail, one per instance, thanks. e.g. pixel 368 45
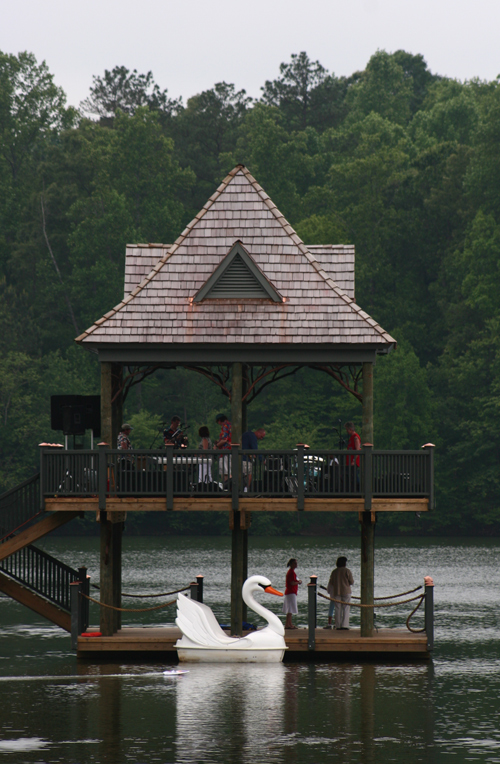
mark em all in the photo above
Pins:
pixel 41 573
pixel 235 473
pixel 19 506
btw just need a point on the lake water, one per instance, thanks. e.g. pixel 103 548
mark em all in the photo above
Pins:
pixel 55 709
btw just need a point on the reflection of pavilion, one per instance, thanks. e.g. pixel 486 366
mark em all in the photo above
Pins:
pixel 239 298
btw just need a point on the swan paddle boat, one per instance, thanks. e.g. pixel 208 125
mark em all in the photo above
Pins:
pixel 203 640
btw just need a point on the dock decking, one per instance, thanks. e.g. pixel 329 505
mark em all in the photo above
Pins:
pixel 156 640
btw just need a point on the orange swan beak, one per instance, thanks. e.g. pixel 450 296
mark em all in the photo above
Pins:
pixel 270 590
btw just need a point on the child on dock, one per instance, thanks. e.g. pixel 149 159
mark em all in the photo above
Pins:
pixel 291 589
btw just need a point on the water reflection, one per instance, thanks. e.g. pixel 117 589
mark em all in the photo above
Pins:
pixel 231 711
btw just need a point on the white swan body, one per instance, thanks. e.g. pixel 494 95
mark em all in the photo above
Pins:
pixel 203 639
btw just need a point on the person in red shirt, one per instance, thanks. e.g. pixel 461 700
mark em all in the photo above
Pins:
pixel 353 444
pixel 291 589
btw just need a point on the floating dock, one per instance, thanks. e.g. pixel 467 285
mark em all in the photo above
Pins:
pixel 161 640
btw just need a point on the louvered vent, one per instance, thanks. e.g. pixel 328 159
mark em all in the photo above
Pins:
pixel 237 281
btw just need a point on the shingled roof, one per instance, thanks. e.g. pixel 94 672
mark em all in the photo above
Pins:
pixel 161 311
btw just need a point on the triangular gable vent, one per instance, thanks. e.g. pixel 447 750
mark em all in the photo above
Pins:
pixel 237 277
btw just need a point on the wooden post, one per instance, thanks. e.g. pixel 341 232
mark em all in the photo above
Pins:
pixel 300 477
pixel 236 404
pixel 367 427
pixel 106 406
pixel 110 573
pixel 75 588
pixel 367 571
pixel 116 536
pixel 111 532
pixel 367 475
pixel 244 386
pixel 237 568
pixel 367 519
pixel 429 611
pixel 170 476
pixel 312 612
pixel 103 475
pixel 199 580
pixel 84 603
pixel 239 547
pixel 111 402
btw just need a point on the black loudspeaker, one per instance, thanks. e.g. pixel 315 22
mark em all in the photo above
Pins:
pixel 73 414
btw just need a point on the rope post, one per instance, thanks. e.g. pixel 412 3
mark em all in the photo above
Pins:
pixel 103 475
pixel 429 448
pixel 235 473
pixel 84 603
pixel 75 588
pixel 193 590
pixel 199 579
pixel 300 476
pixel 367 475
pixel 170 476
pixel 312 588
pixel 429 611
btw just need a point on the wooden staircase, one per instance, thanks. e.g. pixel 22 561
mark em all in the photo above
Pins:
pixel 27 574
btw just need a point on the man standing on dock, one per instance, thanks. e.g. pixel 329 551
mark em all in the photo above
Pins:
pixel 339 588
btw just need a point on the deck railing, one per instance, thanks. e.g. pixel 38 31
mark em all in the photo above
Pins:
pixel 275 473
pixel 19 506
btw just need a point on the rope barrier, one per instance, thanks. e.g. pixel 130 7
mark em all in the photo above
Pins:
pixel 389 596
pixel 145 596
pixel 381 604
pixel 127 609
pixel 415 631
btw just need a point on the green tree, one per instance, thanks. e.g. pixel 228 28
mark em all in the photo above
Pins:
pixel 205 132
pixel 121 89
pixel 384 88
pixel 306 94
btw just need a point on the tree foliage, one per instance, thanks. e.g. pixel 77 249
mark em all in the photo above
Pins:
pixel 393 159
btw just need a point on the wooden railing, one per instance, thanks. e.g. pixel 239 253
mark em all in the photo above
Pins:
pixel 43 574
pixel 295 473
pixel 19 506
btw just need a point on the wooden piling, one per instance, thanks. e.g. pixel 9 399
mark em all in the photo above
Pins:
pixel 111 525
pixel 239 541
pixel 367 518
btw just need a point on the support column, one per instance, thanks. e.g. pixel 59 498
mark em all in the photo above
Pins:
pixel 244 419
pixel 367 427
pixel 106 406
pixel 111 527
pixel 236 403
pixel 367 519
pixel 239 548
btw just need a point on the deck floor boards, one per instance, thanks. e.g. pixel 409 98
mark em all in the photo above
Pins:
pixel 162 639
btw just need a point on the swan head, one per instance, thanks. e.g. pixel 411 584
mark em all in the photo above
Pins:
pixel 256 584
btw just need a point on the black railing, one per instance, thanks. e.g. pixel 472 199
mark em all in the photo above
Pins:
pixel 41 573
pixel 19 506
pixel 299 473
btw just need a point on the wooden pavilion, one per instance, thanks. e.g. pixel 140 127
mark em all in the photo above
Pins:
pixel 240 298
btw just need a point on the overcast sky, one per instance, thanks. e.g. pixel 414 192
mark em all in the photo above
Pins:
pixel 190 45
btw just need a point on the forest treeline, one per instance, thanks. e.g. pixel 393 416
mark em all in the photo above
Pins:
pixel 398 161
